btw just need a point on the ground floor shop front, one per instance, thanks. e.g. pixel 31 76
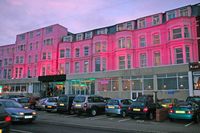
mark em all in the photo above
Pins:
pixel 165 82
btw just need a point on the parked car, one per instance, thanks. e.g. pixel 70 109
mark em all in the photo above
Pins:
pixel 144 106
pixel 40 104
pixel 90 104
pixel 51 104
pixel 186 111
pixel 64 103
pixel 195 99
pixel 27 102
pixel 5 120
pixel 168 102
pixel 17 112
pixel 118 107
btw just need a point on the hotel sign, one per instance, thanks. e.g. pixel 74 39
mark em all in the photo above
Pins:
pixel 195 66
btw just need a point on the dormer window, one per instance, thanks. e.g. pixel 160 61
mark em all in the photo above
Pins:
pixel 49 29
pixel 102 31
pixel 67 39
pixel 125 26
pixel 88 35
pixel 156 20
pixel 22 37
pixel 171 15
pixel 184 12
pixel 141 23
pixel 79 37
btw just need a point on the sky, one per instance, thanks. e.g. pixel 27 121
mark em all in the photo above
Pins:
pixel 20 16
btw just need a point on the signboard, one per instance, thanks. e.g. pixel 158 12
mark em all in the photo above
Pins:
pixel 1 88
pixel 194 66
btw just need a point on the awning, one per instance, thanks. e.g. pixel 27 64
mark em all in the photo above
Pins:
pixel 52 78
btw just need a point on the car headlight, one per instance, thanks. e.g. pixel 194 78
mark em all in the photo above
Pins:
pixel 34 113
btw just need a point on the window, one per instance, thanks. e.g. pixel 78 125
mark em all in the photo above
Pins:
pixel 79 37
pixel 142 41
pixel 49 29
pixel 36 58
pixel 143 60
pixel 16 72
pixel 187 51
pixel 10 61
pixel 21 47
pixel 62 53
pixel 62 67
pixel 104 64
pixel 49 55
pixel 21 60
pixel 44 56
pixel 129 25
pixel 128 42
pixel 104 47
pixel 177 33
pixel 86 66
pixel 184 12
pixel 97 64
pixel 67 68
pixel 178 55
pixel 48 41
pixel 5 62
pixel 9 73
pixel 121 43
pixel 31 34
pixel 122 62
pixel 0 63
pixel 68 53
pixel 31 46
pixel 102 31
pixel 141 23
pixel 5 73
pixel 88 35
pixel 77 52
pixel 38 33
pixel 67 39
pixel 156 39
pixel 48 69
pixel 186 32
pixel 77 67
pixel 29 59
pixel 43 71
pixel 22 37
pixel 156 20
pixel 35 71
pixel 20 72
pixel 29 72
pixel 97 47
pixel 86 51
pixel 17 59
pixel 156 59
pixel 128 61
pixel 36 45
pixel 171 15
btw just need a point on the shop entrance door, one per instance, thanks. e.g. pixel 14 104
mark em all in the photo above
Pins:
pixel 136 94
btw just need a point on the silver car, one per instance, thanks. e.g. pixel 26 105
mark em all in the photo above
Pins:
pixel 89 104
pixel 51 104
pixel 40 104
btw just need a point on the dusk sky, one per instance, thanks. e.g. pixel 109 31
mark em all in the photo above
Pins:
pixel 19 16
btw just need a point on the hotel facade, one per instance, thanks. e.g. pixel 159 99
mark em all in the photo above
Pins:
pixel 149 55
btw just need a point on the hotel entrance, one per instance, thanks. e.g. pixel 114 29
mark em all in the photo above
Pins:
pixel 82 87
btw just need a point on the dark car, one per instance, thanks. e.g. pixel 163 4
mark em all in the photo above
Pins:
pixel 17 112
pixel 186 110
pixel 90 104
pixel 5 120
pixel 64 103
pixel 144 106
pixel 195 99
pixel 117 106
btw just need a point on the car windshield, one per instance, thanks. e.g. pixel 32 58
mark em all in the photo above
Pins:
pixel 23 100
pixel 11 104
pixel 138 104
pixel 52 99
pixel 184 105
pixel 79 99
pixel 166 101
pixel 196 99
pixel 113 102
pixel 62 99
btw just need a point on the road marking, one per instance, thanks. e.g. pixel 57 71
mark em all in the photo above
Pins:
pixel 140 121
pixel 189 124
pixel 68 116
pixel 110 118
pixel 20 131
pixel 98 118
pixel 124 120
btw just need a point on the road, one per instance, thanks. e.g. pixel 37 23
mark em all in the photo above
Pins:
pixel 63 123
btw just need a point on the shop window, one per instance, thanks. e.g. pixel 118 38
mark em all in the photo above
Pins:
pixel 148 83
pixel 197 82
pixel 183 81
pixel 115 84
pixel 136 83
pixel 126 84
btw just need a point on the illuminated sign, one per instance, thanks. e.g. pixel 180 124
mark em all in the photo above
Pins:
pixel 195 66
pixel 1 88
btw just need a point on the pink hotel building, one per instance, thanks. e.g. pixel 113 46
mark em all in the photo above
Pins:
pixel 143 56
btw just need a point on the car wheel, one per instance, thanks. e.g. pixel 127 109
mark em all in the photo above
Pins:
pixel 151 116
pixel 197 119
pixel 93 112
pixel 123 114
